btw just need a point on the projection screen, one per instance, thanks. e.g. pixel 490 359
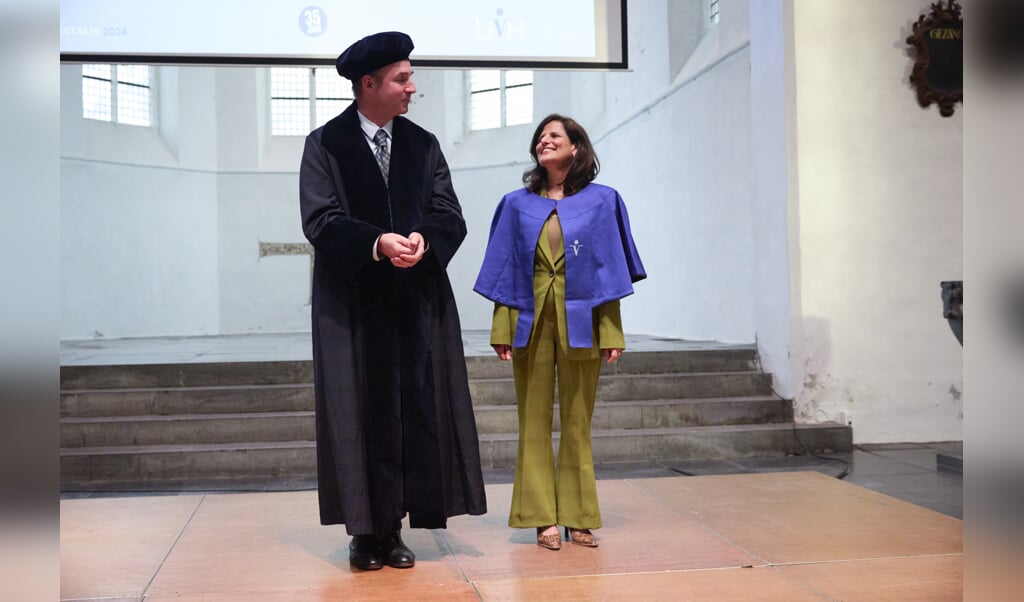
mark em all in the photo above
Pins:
pixel 528 34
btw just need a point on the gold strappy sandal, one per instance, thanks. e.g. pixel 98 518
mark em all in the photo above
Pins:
pixel 551 542
pixel 580 537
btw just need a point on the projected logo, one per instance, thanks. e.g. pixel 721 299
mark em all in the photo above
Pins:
pixel 312 21
pixel 500 28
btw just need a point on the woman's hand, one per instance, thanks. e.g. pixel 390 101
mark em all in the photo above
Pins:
pixel 504 352
pixel 611 355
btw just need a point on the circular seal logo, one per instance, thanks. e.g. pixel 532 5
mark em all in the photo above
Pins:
pixel 312 21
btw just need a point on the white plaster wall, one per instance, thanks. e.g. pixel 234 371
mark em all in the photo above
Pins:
pixel 257 200
pixel 137 264
pixel 680 156
pixel 774 199
pixel 880 217
pixel 138 219
pixel 261 294
pixel 479 191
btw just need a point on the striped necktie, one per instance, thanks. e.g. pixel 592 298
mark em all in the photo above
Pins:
pixel 382 154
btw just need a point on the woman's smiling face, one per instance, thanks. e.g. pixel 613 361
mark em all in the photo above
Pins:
pixel 554 150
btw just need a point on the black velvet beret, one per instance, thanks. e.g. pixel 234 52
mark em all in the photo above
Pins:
pixel 373 52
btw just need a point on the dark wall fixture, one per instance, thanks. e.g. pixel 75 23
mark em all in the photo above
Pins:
pixel 938 73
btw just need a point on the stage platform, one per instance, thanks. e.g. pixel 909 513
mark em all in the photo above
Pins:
pixel 785 536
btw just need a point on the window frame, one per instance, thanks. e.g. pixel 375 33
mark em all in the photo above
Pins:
pixel 113 83
pixel 502 90
pixel 313 97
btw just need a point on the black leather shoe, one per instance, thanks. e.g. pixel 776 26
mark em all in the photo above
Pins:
pixel 363 553
pixel 394 551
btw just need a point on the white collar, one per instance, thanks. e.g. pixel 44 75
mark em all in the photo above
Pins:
pixel 370 128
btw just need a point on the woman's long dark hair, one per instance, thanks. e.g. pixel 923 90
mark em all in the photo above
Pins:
pixel 584 166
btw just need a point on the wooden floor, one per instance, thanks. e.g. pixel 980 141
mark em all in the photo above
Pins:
pixel 770 536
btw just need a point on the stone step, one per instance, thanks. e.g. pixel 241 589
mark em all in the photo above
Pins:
pixel 187 400
pixel 299 397
pixel 173 424
pixel 625 387
pixel 642 362
pixel 142 376
pixel 115 431
pixel 950 463
pixel 659 413
pixel 692 442
pixel 186 429
pixel 175 465
pixel 146 466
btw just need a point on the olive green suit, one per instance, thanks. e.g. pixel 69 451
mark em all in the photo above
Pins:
pixel 539 496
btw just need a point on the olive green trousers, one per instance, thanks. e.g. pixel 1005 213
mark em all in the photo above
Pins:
pixel 542 495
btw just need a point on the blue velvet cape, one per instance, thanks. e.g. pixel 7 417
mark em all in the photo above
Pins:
pixel 601 260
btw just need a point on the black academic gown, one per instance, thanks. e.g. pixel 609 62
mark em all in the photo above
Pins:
pixel 394 419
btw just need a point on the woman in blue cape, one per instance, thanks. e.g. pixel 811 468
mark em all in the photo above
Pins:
pixel 559 258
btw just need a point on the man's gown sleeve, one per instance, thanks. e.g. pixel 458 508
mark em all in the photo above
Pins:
pixel 346 241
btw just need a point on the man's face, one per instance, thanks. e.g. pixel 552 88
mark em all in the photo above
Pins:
pixel 391 96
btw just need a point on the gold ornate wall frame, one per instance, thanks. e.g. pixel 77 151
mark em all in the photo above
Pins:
pixel 938 73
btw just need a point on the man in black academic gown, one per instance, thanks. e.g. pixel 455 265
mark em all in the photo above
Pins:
pixel 395 427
